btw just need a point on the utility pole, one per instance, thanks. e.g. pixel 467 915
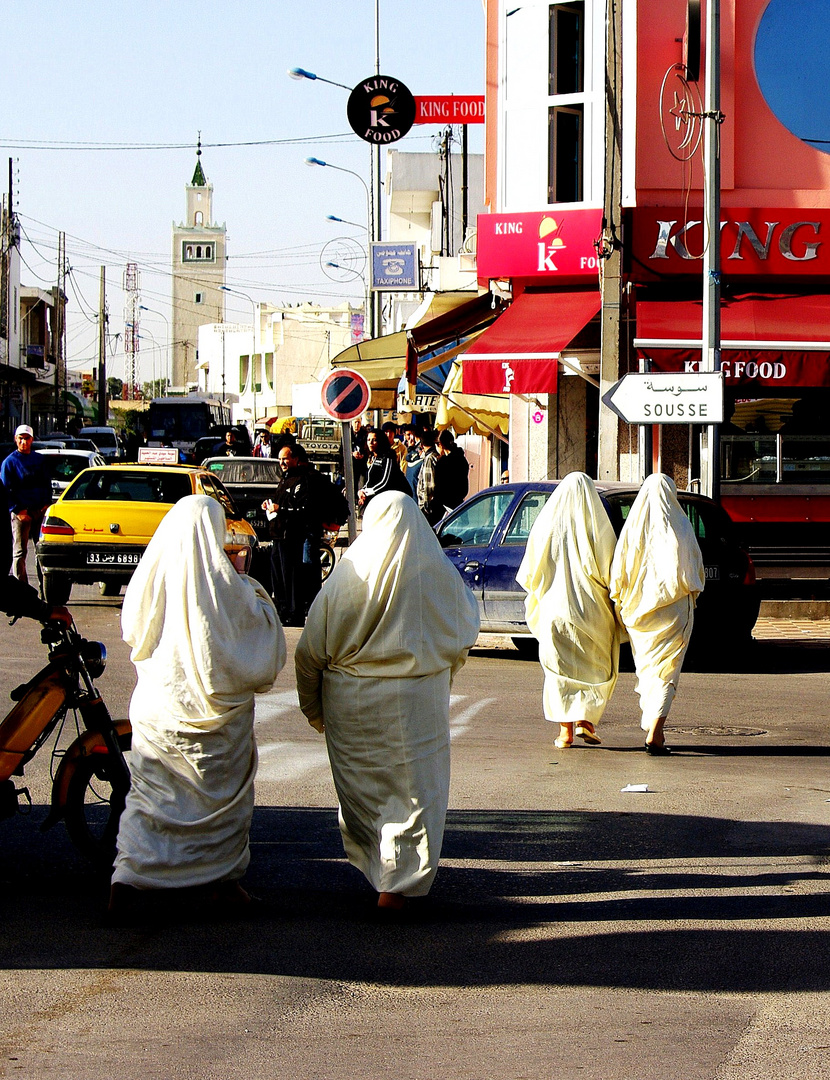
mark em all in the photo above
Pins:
pixel 58 337
pixel 711 337
pixel 609 249
pixel 102 348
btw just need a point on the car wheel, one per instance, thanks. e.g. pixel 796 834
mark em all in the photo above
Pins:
pixel 528 647
pixel 56 589
pixel 110 588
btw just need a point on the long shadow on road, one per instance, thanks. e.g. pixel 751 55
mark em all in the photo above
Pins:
pixel 633 900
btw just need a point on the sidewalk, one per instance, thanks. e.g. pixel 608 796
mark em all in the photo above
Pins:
pixel 769 629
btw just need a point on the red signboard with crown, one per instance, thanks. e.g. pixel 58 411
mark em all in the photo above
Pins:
pixel 551 246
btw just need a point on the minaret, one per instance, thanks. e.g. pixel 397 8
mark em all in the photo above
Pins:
pixel 198 272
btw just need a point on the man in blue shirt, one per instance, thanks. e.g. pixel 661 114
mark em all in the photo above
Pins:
pixel 25 476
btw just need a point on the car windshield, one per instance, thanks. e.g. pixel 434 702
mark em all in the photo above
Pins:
pixel 115 485
pixel 474 525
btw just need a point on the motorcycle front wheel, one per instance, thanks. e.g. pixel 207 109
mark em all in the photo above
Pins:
pixel 91 813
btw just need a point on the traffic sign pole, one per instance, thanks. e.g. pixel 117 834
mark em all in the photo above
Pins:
pixel 348 476
pixel 345 395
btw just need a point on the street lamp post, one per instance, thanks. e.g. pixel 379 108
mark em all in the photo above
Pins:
pixel 254 354
pixel 161 315
pixel 368 305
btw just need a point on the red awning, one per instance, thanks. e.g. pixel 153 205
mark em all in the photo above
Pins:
pixel 519 354
pixel 765 340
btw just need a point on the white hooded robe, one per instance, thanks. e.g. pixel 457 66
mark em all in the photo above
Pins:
pixel 383 639
pixel 565 573
pixel 204 640
pixel 656 578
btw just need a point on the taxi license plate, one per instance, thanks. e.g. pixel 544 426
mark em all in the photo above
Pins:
pixel 115 559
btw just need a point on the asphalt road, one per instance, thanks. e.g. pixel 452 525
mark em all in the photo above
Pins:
pixel 574 930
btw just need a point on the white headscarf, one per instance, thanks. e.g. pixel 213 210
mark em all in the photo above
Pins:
pixel 567 562
pixel 657 560
pixel 394 606
pixel 199 623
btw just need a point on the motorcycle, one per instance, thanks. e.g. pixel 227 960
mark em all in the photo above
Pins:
pixel 92 778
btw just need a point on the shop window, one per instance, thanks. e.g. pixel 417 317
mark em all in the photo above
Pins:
pixel 777 440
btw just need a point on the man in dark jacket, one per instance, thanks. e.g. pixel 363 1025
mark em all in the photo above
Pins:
pixel 25 476
pixel 17 598
pixel 451 472
pixel 296 528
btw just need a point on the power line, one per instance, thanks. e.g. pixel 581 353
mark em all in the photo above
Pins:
pixel 60 144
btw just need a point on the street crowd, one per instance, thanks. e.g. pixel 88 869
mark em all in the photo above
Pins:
pixel 382 641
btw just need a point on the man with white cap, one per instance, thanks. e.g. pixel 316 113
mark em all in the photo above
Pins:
pixel 25 477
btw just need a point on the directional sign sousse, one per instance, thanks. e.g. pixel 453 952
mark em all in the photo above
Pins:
pixel 662 397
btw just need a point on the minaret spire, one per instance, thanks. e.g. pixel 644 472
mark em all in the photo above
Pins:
pixel 198 175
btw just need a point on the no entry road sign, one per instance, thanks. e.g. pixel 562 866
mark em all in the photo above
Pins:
pixel 345 394
pixel 662 397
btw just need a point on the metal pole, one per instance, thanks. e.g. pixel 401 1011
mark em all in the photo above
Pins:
pixel 102 349
pixel 711 335
pixel 348 476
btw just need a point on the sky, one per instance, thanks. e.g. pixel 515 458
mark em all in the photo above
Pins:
pixel 102 103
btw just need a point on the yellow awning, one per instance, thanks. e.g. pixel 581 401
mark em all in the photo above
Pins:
pixel 484 414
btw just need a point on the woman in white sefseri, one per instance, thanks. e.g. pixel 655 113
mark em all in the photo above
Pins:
pixel 656 578
pixel 383 640
pixel 204 640
pixel 565 573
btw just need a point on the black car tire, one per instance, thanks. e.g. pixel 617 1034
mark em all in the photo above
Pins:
pixel 56 589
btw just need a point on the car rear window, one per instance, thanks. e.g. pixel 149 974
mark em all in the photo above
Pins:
pixel 64 468
pixel 103 438
pixel 263 471
pixel 113 485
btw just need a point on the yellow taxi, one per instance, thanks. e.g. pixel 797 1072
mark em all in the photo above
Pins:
pixel 98 529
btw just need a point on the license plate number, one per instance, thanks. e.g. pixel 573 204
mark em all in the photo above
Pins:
pixel 712 573
pixel 116 559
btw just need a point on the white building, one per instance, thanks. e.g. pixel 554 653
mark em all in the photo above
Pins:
pixel 256 368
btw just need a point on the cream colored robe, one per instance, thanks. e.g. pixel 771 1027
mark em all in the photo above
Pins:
pixel 204 641
pixel 383 639
pixel 656 578
pixel 565 573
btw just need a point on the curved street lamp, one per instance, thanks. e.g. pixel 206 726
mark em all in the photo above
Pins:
pixel 368 306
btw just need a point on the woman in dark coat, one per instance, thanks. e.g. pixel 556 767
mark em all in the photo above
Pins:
pixel 383 472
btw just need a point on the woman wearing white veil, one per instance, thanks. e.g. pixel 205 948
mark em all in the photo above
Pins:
pixel 204 640
pixel 565 573
pixel 383 639
pixel 656 578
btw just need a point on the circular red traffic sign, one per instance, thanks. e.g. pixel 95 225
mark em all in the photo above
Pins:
pixel 345 394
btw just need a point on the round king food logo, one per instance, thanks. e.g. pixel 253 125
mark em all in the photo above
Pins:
pixel 381 109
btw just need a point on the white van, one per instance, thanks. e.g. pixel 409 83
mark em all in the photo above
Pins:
pixel 107 441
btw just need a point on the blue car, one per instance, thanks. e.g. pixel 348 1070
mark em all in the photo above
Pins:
pixel 485 537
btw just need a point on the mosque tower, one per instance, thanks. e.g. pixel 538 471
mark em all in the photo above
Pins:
pixel 198 273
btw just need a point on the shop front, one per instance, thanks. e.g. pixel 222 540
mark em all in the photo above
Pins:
pixel 775 339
